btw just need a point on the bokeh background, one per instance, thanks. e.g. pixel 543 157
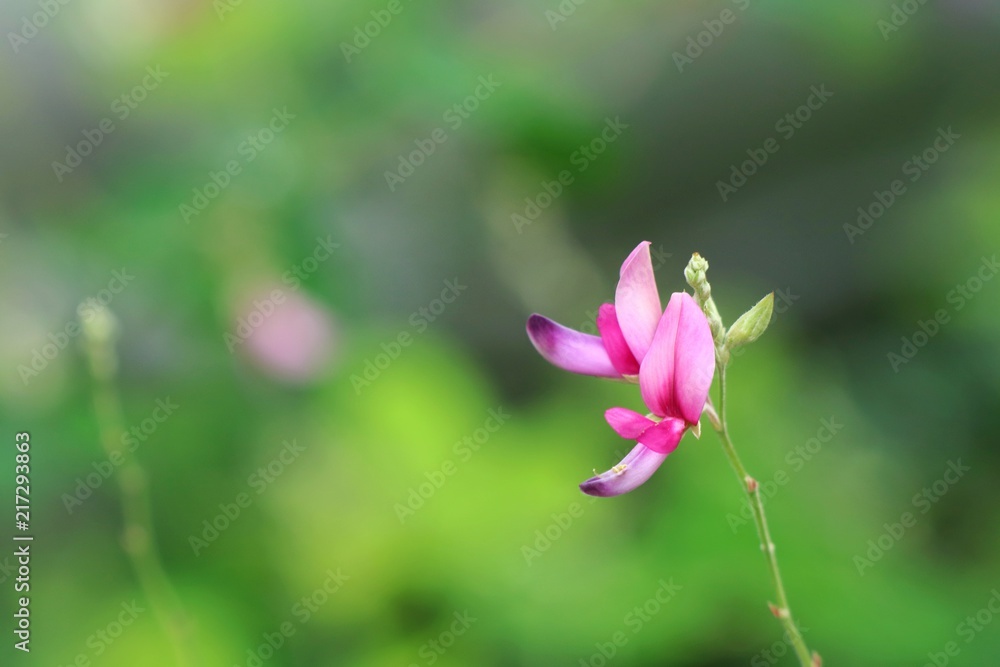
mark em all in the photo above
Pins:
pixel 230 171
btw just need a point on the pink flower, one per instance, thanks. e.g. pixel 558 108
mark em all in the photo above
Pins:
pixel 626 328
pixel 672 353
pixel 674 379
pixel 295 342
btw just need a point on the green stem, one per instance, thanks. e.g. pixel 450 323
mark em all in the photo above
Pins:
pixel 137 533
pixel 752 489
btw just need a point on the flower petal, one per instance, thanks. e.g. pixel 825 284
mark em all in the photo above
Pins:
pixel 676 373
pixel 656 373
pixel 568 349
pixel 633 470
pixel 614 342
pixel 637 303
pixel 694 361
pixel 664 436
pixel 626 423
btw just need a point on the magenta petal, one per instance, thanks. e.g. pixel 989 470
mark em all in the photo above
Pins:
pixel 568 349
pixel 656 374
pixel 626 423
pixel 614 342
pixel 676 373
pixel 633 470
pixel 637 303
pixel 664 437
pixel 694 361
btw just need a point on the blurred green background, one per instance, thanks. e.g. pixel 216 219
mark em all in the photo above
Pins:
pixel 300 174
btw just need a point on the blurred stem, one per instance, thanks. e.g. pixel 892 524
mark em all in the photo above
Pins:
pixel 783 612
pixel 137 533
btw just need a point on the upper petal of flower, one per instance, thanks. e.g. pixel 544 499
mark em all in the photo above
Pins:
pixel 614 342
pixel 637 303
pixel 633 470
pixel 568 349
pixel 676 373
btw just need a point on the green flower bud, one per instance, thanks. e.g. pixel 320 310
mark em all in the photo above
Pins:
pixel 98 323
pixel 751 324
pixel 100 331
pixel 695 274
pixel 695 271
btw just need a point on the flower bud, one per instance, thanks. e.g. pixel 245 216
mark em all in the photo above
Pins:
pixel 695 271
pixel 100 332
pixel 751 324
pixel 695 274
pixel 98 323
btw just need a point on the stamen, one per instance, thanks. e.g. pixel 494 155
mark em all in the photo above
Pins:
pixel 620 468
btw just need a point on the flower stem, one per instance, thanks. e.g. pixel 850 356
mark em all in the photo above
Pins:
pixel 782 611
pixel 137 531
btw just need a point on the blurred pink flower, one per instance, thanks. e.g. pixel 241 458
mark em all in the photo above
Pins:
pixel 295 342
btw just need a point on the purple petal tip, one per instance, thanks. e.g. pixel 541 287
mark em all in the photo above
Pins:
pixel 637 467
pixel 568 349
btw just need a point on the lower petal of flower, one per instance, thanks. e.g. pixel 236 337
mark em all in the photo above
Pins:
pixel 627 423
pixel 633 470
pixel 664 436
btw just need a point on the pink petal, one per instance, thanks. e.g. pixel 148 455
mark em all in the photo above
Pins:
pixel 656 373
pixel 664 437
pixel 568 349
pixel 614 341
pixel 676 373
pixel 626 423
pixel 633 470
pixel 637 303
pixel 694 364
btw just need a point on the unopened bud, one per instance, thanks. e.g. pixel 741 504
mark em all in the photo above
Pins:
pixel 695 271
pixel 751 324
pixel 100 331
pixel 817 661
pixel 751 484
pixel 696 275
pixel 98 323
